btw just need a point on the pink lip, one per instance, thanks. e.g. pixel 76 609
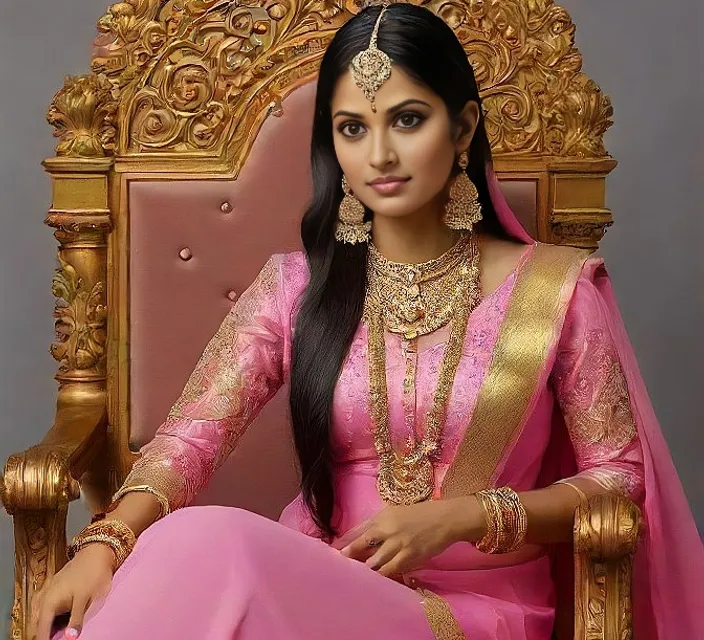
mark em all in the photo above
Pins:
pixel 388 185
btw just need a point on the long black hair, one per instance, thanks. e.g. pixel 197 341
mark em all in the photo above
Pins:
pixel 331 307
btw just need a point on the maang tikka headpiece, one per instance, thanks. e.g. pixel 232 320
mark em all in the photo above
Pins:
pixel 372 67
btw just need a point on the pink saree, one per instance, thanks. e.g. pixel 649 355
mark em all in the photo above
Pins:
pixel 547 387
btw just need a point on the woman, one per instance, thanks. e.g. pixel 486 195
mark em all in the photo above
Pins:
pixel 456 391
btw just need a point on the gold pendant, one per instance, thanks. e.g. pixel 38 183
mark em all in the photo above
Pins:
pixel 406 479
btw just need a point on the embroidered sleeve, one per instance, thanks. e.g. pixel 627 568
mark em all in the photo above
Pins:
pixel 592 392
pixel 240 370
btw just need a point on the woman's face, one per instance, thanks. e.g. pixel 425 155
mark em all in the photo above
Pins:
pixel 410 139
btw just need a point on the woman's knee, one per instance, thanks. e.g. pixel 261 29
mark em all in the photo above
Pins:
pixel 203 526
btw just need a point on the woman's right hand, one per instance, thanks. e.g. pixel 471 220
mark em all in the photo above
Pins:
pixel 87 577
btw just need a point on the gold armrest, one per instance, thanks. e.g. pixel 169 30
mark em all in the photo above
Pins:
pixel 605 538
pixel 38 484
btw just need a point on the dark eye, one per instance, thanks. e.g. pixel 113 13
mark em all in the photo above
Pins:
pixel 410 120
pixel 351 129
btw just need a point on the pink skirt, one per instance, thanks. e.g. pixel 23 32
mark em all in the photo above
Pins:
pixel 220 573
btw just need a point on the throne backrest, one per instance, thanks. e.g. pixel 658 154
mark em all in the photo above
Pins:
pixel 187 150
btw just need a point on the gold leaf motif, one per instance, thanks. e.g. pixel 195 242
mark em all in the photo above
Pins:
pixel 81 322
pixel 84 115
pixel 198 75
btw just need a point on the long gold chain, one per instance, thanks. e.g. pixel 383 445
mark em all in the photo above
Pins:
pixel 407 478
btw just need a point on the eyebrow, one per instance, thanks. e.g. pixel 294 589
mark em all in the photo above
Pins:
pixel 389 111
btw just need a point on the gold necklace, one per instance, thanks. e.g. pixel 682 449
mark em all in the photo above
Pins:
pixel 407 478
pixel 415 299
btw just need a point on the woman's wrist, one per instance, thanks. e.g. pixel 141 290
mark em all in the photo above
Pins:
pixel 99 552
pixel 467 519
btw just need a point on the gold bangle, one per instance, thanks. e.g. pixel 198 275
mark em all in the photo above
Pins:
pixel 583 498
pixel 490 542
pixel 507 521
pixel 113 533
pixel 165 507
pixel 515 520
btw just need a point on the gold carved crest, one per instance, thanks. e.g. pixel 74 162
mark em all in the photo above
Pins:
pixel 195 78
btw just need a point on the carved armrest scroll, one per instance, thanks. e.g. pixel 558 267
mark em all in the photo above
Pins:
pixel 605 539
pixel 38 485
pixel 45 475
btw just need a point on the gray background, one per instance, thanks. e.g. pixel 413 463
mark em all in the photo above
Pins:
pixel 646 54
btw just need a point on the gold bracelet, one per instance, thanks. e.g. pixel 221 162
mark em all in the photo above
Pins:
pixel 507 522
pixel 113 533
pixel 583 498
pixel 164 505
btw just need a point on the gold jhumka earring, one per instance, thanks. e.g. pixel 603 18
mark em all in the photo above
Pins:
pixel 351 227
pixel 463 210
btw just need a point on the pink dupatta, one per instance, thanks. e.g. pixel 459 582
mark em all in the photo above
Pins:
pixel 668 587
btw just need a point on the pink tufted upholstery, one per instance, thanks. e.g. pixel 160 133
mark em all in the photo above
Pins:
pixel 196 244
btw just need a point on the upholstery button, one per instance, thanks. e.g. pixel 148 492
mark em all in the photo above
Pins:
pixel 226 207
pixel 185 254
pixel 232 295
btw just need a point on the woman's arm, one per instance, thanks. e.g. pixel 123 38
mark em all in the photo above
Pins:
pixel 240 370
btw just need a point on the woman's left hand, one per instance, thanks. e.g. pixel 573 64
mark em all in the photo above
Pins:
pixel 402 538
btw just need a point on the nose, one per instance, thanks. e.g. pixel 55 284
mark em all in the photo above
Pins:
pixel 382 154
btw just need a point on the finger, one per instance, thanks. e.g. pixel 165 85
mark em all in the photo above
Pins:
pixel 78 611
pixel 350 536
pixel 363 546
pixel 50 608
pixel 400 563
pixel 384 554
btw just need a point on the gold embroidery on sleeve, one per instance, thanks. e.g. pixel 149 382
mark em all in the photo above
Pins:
pixel 224 384
pixel 596 403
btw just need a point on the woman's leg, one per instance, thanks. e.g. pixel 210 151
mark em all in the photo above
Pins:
pixel 219 573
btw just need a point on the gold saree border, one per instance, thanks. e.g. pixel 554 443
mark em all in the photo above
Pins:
pixel 537 306
pixel 442 623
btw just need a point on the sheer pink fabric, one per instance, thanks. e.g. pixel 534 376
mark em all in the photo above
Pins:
pixel 669 566
pixel 226 574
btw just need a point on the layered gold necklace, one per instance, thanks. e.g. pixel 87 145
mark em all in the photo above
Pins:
pixel 414 300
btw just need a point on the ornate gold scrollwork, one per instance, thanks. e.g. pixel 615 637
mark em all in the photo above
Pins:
pixel 198 75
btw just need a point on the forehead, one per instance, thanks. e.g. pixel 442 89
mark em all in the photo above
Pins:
pixel 400 86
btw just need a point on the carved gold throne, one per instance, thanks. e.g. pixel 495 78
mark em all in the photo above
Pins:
pixel 182 164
